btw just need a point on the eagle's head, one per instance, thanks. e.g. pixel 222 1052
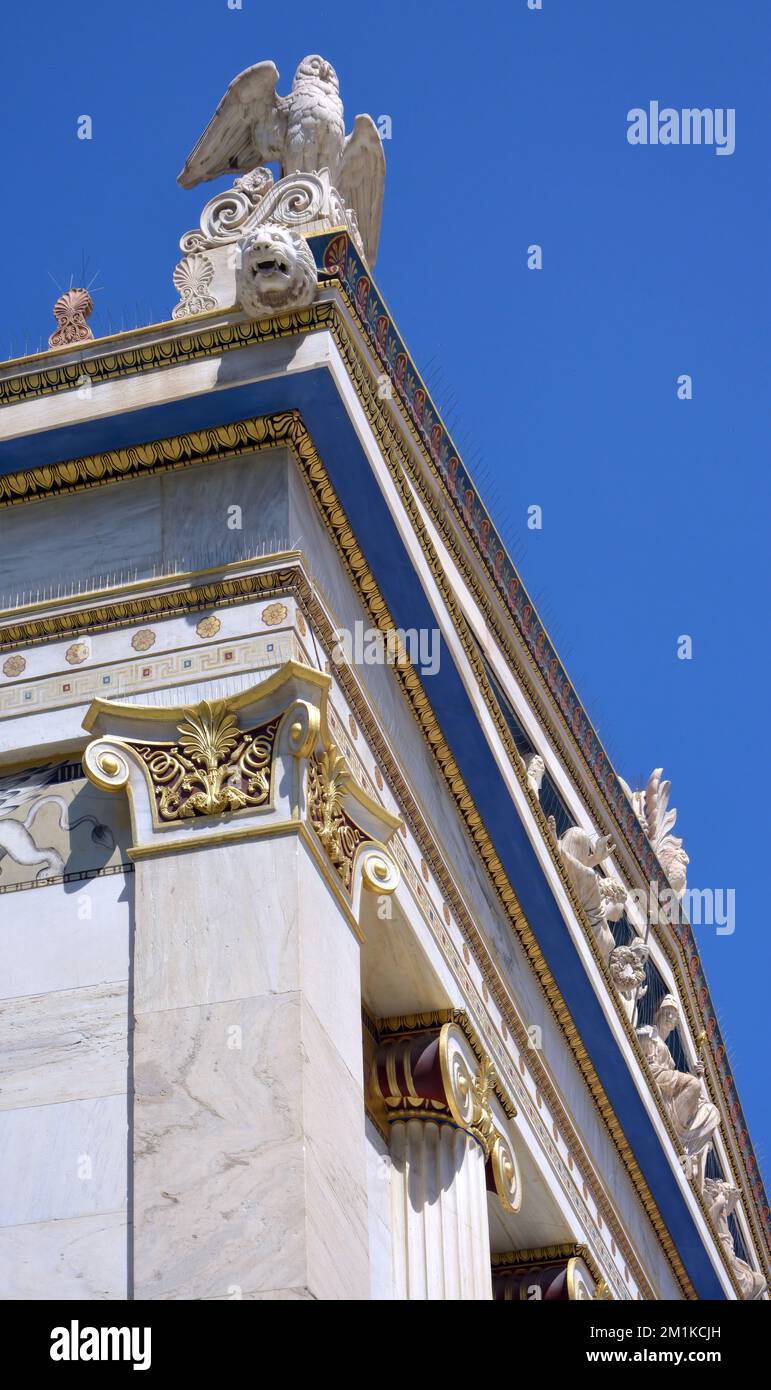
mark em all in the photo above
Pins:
pixel 317 70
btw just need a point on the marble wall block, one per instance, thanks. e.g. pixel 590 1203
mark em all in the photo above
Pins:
pixel 66 1160
pixel 67 1045
pixel 249 1157
pixel 48 944
pixel 83 1258
pixel 179 516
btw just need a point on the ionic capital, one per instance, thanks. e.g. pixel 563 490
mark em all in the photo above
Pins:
pixel 435 1074
pixel 258 762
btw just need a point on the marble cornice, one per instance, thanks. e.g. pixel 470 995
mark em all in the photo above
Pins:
pixel 148 349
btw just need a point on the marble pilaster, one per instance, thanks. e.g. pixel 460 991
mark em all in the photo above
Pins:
pixel 248 1140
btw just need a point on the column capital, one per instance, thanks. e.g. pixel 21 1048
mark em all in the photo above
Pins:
pixel 554 1273
pixel 434 1073
pixel 258 762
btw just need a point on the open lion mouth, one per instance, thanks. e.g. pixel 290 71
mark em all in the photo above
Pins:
pixel 271 266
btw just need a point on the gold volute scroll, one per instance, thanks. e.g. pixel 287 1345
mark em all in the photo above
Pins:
pixel 433 1072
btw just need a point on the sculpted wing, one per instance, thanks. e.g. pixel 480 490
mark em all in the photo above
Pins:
pixel 362 181
pixel 659 820
pixel 248 128
pixel 22 786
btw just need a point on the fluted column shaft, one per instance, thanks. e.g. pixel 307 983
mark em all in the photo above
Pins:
pixel 450 1144
pixel 439 1206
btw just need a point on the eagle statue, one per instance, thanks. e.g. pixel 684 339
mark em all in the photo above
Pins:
pixel 303 132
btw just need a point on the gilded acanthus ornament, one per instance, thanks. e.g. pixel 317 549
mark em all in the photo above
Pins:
pixel 602 1293
pixel 482 1123
pixel 328 780
pixel 213 769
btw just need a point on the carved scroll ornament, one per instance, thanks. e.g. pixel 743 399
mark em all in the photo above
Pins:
pixel 434 1075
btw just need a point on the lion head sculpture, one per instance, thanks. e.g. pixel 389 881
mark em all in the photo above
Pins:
pixel 275 271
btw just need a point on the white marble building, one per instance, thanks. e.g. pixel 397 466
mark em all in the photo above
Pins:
pixel 321 973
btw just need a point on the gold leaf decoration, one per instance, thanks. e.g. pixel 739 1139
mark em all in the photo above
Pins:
pixel 215 768
pixel 328 779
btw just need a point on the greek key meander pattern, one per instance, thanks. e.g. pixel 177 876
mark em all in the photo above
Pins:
pixel 155 672
pixel 77 876
pixel 176 459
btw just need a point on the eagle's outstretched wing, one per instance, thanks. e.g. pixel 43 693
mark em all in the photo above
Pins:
pixel 362 181
pixel 248 128
pixel 659 820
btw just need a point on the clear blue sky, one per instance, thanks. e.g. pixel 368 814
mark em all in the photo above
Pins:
pixel 509 127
